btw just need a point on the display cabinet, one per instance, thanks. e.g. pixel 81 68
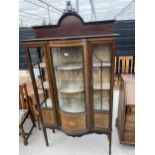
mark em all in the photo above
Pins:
pixel 71 66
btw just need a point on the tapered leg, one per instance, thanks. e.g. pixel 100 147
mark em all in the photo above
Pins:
pixel 32 119
pixel 45 135
pixel 38 121
pixel 24 136
pixel 53 130
pixel 109 137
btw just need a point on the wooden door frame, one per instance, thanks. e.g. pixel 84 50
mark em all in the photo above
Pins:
pixel 42 45
pixel 91 43
pixel 72 43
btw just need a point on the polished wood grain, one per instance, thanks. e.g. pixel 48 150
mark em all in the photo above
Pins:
pixel 101 120
pixel 129 137
pixel 73 25
pixel 48 116
pixel 130 122
pixel 73 123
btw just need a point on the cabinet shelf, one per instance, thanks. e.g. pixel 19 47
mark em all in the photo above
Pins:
pixel 73 107
pixel 70 66
pixel 48 102
pixel 77 66
pixel 104 64
pixel 71 90
pixel 105 86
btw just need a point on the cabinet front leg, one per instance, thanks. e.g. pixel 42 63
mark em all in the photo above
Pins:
pixel 53 130
pixel 109 137
pixel 45 135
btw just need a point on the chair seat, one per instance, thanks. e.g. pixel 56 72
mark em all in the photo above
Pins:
pixel 22 113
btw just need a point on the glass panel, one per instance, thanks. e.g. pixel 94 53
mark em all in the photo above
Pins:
pixel 101 76
pixel 40 72
pixel 68 65
pixel 105 100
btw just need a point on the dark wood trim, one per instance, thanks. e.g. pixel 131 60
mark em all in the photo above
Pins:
pixel 87 83
pixel 50 83
pixel 53 81
pixel 34 44
pixel 28 57
pixel 69 38
pixel 91 84
pixel 112 82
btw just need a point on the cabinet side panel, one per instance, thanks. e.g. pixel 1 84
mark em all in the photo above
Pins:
pixel 121 111
pixel 130 122
pixel 129 137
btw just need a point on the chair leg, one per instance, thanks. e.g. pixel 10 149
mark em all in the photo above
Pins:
pixel 53 130
pixel 45 135
pixel 32 119
pixel 24 136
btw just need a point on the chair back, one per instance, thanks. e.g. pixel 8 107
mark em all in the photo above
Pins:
pixel 23 97
pixel 124 65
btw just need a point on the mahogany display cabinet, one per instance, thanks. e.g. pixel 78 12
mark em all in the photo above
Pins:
pixel 72 69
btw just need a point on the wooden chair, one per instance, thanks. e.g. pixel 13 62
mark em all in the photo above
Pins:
pixel 25 78
pixel 123 65
pixel 24 112
pixel 126 65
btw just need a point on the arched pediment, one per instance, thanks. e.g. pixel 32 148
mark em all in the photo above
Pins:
pixel 70 19
pixel 71 24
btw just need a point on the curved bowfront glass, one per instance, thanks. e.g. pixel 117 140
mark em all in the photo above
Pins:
pixel 69 69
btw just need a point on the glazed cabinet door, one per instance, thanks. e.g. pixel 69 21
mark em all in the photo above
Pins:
pixel 68 66
pixel 44 92
pixel 101 83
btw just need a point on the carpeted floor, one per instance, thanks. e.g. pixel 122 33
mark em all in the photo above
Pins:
pixel 61 144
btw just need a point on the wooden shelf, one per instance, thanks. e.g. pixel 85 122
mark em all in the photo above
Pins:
pixel 48 102
pixel 70 66
pixel 105 86
pixel 71 90
pixel 73 107
pixel 104 64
